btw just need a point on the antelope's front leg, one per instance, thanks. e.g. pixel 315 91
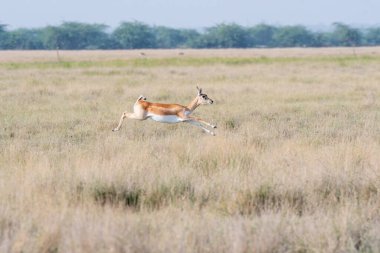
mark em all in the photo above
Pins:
pixel 198 124
pixel 203 122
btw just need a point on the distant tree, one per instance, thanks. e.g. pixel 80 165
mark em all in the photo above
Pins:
pixel 322 39
pixel 2 29
pixel 168 37
pixel 262 35
pixel 52 38
pixel 225 36
pixel 131 35
pixel 293 36
pixel 73 35
pixel 190 38
pixel 344 35
pixel 4 37
pixel 26 39
pixel 373 36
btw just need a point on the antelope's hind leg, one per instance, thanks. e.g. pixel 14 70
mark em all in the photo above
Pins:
pixel 123 116
pixel 138 116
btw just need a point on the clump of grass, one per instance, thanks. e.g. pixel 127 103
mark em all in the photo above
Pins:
pixel 267 197
pixel 137 198
pixel 168 194
pixel 117 195
pixel 334 190
pixel 231 124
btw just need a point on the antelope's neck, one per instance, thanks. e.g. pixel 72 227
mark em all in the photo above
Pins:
pixel 193 104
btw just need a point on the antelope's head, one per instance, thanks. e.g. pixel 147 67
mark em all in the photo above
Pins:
pixel 203 99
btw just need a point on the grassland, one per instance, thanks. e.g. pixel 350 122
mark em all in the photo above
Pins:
pixel 295 165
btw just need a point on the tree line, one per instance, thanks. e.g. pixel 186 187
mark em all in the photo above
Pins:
pixel 137 35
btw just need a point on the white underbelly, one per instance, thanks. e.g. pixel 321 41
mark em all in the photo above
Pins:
pixel 166 118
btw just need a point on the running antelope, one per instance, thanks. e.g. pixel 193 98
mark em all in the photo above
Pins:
pixel 169 113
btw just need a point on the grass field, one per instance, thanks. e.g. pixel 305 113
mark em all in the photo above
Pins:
pixel 294 165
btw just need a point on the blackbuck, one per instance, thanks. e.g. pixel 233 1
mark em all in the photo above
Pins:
pixel 169 113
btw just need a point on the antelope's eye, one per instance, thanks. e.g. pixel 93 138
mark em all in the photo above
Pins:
pixel 204 96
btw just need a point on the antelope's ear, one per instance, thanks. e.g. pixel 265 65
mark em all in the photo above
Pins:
pixel 199 90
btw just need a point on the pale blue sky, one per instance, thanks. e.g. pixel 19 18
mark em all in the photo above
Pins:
pixel 189 13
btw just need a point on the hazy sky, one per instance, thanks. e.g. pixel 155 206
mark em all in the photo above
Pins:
pixel 189 13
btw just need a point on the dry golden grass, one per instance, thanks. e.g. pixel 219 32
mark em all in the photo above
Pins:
pixel 41 56
pixel 295 165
